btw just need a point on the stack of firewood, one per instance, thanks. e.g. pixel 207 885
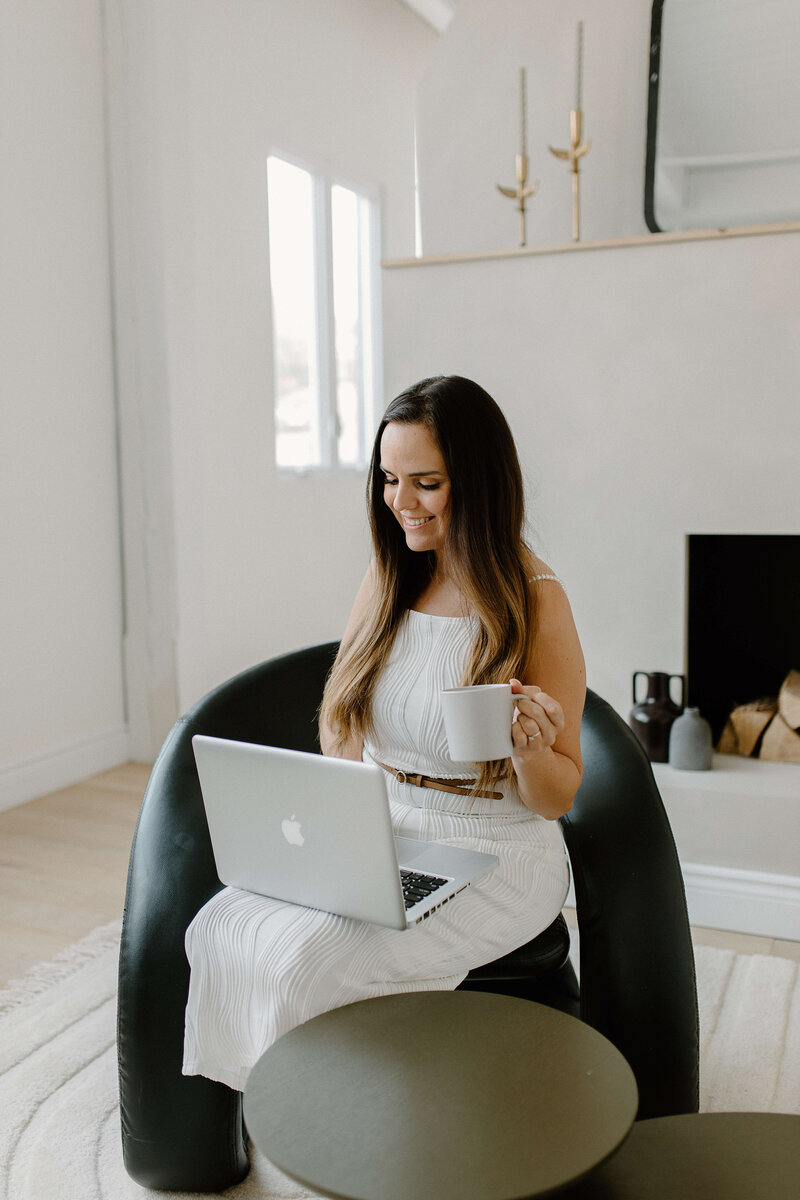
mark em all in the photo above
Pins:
pixel 767 728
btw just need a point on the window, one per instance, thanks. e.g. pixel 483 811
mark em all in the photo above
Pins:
pixel 323 266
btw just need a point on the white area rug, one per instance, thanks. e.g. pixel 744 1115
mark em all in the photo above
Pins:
pixel 60 1138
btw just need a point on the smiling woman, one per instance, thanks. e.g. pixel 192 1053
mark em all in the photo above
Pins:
pixel 447 512
pixel 453 596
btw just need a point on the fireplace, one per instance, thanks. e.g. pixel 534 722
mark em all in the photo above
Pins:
pixel 742 619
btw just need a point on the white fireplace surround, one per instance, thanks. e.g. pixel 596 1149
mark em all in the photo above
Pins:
pixel 742 812
pixel 737 829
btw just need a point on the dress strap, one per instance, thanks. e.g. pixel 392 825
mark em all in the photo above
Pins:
pixel 555 578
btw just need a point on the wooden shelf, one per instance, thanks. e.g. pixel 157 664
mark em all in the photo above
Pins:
pixel 648 239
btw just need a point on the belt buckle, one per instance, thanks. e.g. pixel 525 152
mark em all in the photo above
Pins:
pixel 416 780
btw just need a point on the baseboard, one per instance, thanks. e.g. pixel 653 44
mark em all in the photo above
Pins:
pixel 739 901
pixel 60 766
pixel 743 901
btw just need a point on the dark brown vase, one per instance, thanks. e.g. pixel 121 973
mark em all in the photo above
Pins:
pixel 651 719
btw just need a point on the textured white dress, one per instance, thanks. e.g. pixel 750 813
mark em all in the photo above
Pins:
pixel 259 967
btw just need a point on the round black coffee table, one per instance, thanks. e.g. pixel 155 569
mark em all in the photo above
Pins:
pixel 458 1095
pixel 702 1156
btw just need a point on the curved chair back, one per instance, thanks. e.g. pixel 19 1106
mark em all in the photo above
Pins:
pixel 637 978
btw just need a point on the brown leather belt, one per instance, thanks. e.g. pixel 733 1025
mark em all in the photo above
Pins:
pixel 462 787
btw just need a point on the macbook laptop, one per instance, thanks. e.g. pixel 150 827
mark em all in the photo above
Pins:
pixel 316 831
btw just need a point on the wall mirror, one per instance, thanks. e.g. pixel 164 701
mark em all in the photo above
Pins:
pixel 723 123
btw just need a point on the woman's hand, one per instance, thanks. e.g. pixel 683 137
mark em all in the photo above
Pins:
pixel 538 720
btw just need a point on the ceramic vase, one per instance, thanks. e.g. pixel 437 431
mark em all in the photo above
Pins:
pixel 651 718
pixel 690 747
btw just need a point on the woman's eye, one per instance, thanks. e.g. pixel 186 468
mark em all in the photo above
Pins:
pixel 390 481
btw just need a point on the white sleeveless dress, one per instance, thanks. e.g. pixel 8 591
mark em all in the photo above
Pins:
pixel 260 967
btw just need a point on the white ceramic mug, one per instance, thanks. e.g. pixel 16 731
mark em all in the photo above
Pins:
pixel 477 721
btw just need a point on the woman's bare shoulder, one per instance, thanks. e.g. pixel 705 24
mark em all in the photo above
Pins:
pixel 556 660
pixel 538 571
pixel 553 609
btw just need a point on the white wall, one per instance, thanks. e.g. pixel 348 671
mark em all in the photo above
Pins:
pixel 225 563
pixel 469 121
pixel 233 562
pixel 61 687
pixel 652 392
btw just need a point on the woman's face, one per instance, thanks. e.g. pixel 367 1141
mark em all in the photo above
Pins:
pixel 416 485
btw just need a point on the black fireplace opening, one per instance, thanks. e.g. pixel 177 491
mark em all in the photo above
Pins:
pixel 742 619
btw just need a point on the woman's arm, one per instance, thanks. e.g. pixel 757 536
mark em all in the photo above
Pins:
pixel 353 747
pixel 549 709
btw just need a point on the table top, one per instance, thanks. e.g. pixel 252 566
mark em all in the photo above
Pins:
pixel 459 1095
pixel 705 1156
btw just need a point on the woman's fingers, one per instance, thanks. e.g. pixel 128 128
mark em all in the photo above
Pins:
pixel 538 718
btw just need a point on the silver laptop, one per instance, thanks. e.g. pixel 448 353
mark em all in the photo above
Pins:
pixel 316 831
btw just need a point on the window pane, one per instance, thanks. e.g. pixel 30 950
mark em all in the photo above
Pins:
pixel 369 276
pixel 291 258
pixel 347 323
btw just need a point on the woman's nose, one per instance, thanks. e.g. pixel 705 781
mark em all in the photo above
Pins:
pixel 404 496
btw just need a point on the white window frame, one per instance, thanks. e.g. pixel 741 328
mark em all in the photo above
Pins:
pixel 371 358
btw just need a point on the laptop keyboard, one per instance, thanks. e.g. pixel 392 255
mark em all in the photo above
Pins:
pixel 417 887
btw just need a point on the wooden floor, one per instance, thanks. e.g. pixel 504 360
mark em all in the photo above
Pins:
pixel 63 865
pixel 64 862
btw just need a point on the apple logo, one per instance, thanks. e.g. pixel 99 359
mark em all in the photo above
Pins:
pixel 291 831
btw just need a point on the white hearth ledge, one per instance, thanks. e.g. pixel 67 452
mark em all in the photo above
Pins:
pixel 737 832
pixel 737 829
pixel 735 775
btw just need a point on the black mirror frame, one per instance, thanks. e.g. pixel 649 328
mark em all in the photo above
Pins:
pixel 652 117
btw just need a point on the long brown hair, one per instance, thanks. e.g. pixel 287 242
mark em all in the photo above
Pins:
pixel 484 548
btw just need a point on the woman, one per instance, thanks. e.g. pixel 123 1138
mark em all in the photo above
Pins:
pixel 453 596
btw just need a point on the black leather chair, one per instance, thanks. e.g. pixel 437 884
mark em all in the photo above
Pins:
pixel 636 964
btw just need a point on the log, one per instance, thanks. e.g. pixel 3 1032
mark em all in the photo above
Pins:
pixel 789 700
pixel 780 743
pixel 745 726
pixel 768 729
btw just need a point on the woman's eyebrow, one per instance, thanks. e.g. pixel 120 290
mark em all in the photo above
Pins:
pixel 412 474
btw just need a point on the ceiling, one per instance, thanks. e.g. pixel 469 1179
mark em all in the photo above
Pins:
pixel 437 13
